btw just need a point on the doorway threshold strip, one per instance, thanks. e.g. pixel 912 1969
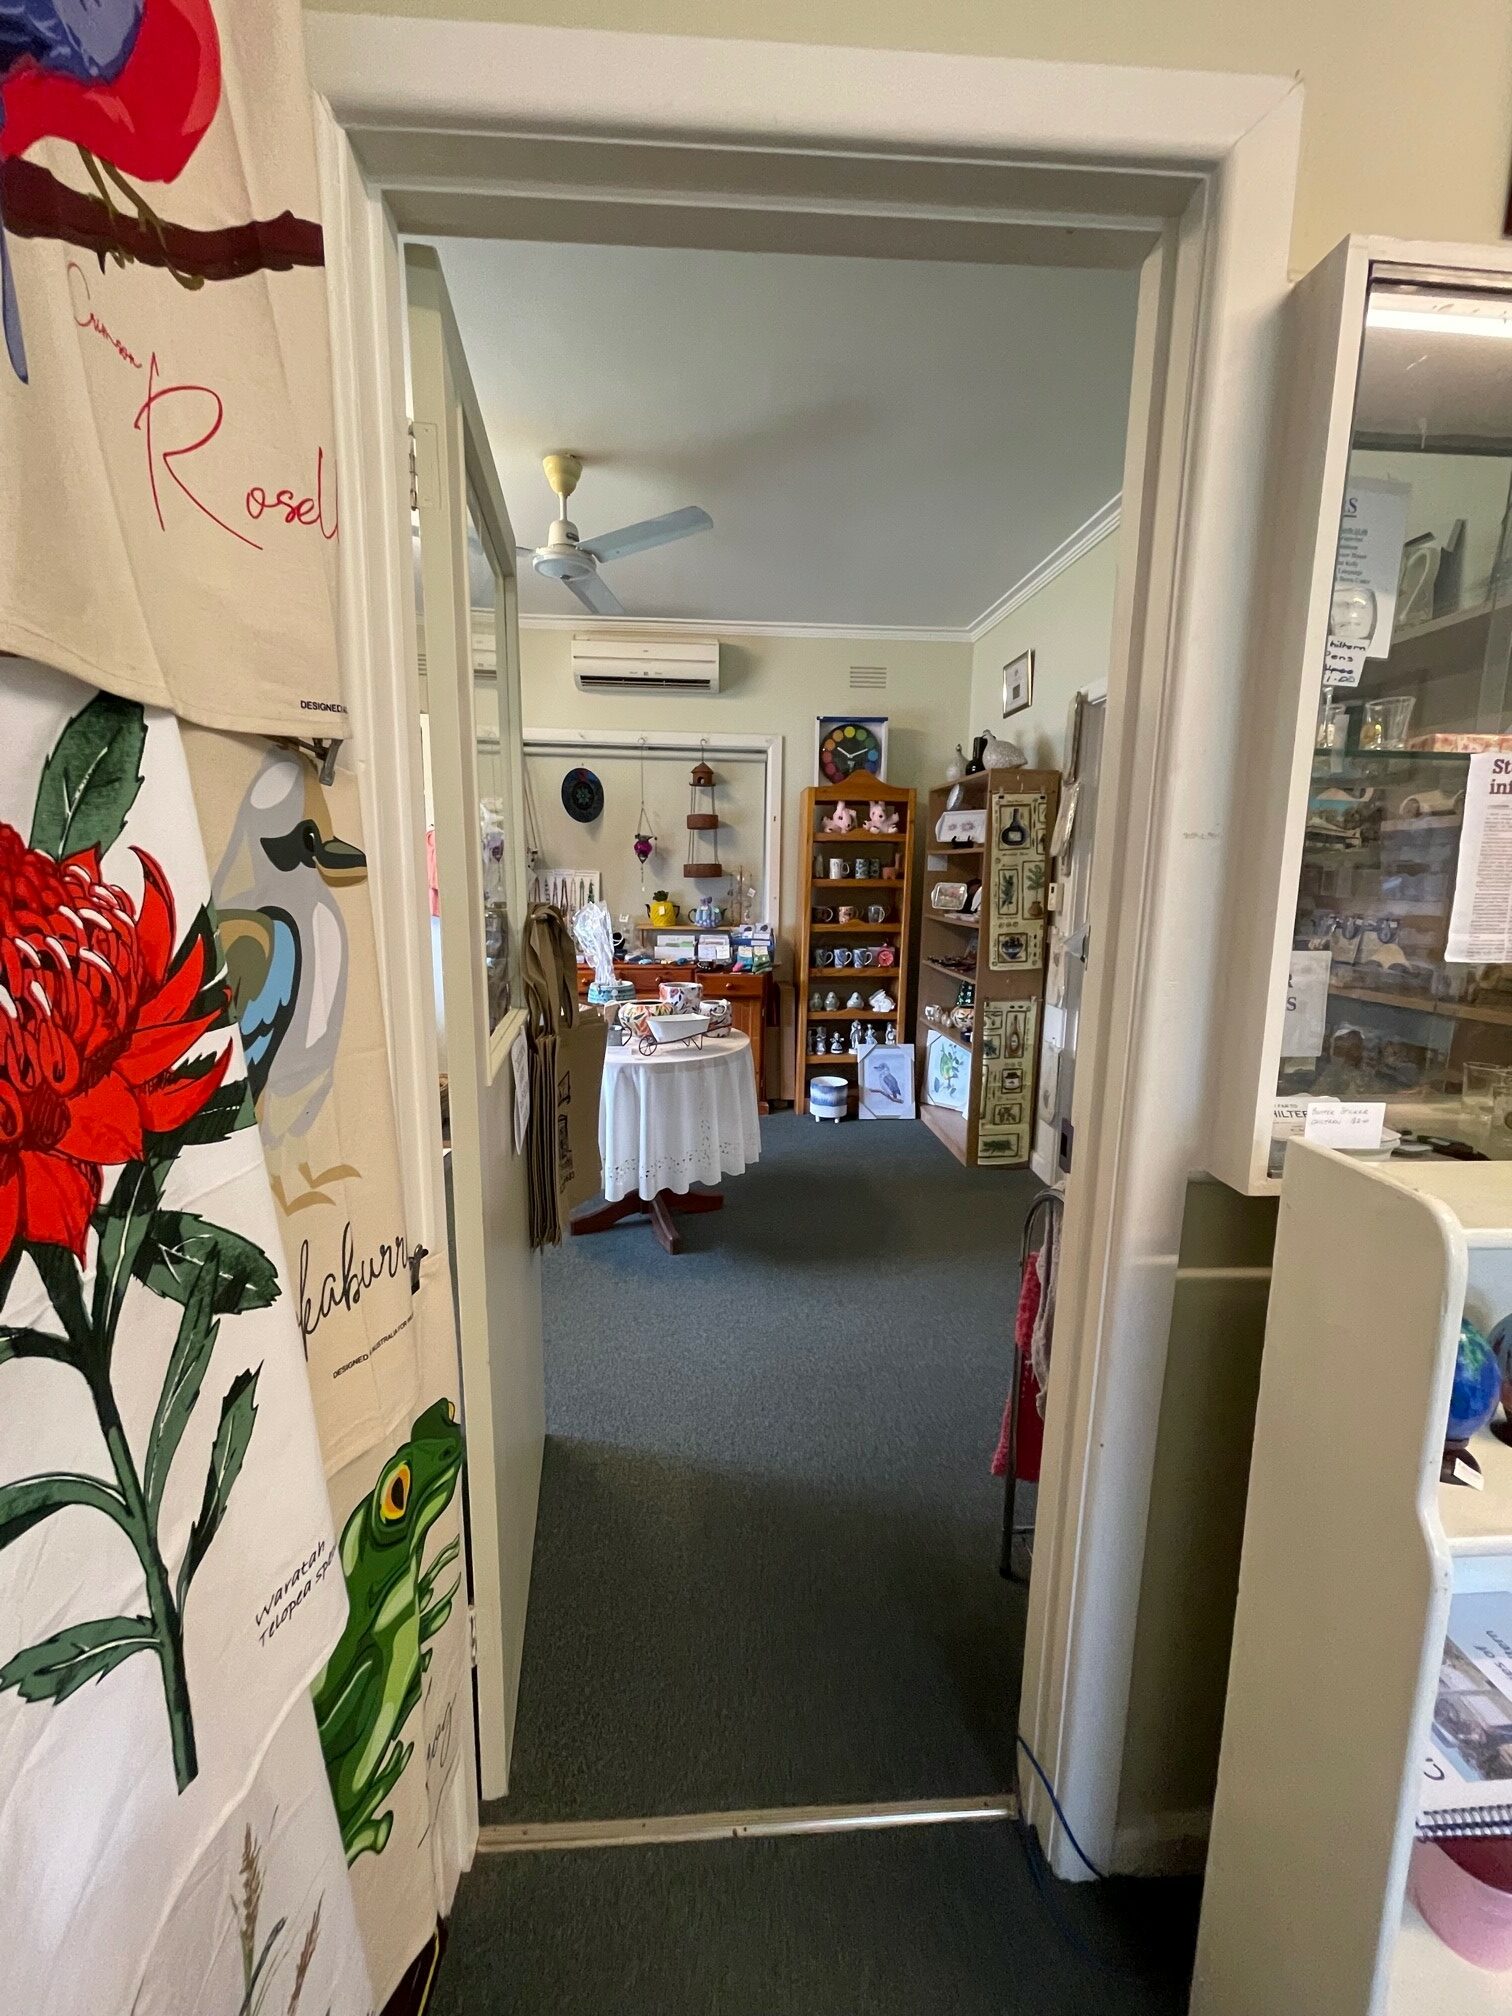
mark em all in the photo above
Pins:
pixel 665 1830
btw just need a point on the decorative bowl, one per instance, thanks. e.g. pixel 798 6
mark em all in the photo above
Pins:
pixel 677 1028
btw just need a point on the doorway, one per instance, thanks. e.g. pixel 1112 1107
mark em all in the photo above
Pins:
pixel 1203 174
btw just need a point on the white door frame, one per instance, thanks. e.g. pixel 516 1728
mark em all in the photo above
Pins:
pixel 434 106
pixel 684 742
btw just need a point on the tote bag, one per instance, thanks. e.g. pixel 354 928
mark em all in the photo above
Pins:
pixel 566 1069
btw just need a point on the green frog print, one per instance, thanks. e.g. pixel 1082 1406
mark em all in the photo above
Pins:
pixel 372 1681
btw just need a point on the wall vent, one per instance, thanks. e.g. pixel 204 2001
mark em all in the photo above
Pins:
pixel 868 678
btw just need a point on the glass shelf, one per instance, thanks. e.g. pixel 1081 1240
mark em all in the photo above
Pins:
pixel 1424 593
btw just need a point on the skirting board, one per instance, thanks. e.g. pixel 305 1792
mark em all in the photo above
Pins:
pixel 1163 1844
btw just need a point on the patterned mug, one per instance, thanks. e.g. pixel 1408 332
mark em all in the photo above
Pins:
pixel 846 914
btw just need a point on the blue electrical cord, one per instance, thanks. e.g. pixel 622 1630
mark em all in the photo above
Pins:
pixel 1039 1772
pixel 1039 1869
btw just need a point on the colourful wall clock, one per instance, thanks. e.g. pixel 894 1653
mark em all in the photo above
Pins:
pixel 850 745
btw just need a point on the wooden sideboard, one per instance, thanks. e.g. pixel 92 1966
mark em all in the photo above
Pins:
pixel 752 998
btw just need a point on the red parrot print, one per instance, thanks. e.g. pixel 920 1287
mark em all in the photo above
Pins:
pixel 133 84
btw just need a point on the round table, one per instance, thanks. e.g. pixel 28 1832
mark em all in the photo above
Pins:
pixel 669 1119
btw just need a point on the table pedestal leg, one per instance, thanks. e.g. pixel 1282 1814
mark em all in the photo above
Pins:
pixel 599 1217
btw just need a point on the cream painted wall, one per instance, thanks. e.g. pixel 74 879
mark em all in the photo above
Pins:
pixel 775 686
pixel 1408 126
pixel 1069 627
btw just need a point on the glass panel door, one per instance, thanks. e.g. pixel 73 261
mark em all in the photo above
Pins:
pixel 1383 1005
pixel 472 691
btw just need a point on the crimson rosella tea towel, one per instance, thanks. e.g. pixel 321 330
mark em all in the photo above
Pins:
pixel 165 379
pixel 170 1584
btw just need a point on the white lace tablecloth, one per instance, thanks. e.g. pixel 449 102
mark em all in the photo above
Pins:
pixel 678 1117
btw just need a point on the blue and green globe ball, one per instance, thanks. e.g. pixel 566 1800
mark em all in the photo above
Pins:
pixel 1477 1382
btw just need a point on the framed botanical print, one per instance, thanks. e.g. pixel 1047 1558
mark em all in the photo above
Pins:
pixel 1018 684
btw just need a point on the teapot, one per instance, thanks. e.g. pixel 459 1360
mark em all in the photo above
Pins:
pixel 707 913
pixel 661 910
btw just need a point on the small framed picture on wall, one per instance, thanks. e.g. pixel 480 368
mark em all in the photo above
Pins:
pixel 1018 683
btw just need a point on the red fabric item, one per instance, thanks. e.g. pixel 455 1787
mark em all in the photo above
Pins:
pixel 1023 1332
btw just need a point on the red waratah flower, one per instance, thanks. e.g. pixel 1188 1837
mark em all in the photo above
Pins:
pixel 94 1019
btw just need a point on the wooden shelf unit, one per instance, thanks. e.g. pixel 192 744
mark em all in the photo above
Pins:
pixel 828 892
pixel 996 1129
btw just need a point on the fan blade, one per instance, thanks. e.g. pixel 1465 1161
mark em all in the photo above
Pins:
pixel 650 532
pixel 596 595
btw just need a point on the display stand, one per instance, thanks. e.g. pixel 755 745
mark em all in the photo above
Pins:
pixel 819 890
pixel 999 949
pixel 1352 1551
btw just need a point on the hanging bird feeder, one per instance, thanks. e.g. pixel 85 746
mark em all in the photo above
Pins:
pixel 702 818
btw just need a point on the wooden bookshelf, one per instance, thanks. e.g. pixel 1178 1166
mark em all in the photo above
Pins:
pixel 818 889
pixel 999 948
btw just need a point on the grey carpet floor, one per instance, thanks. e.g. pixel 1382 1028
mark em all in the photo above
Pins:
pixel 765 1569
pixel 904 1923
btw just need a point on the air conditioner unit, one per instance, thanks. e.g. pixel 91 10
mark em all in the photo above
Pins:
pixel 645 664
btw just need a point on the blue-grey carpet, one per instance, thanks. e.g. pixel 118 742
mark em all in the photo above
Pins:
pixel 766 1575
pixel 766 1565
pixel 923 1921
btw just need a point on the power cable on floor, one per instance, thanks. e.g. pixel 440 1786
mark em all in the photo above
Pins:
pixel 1039 1871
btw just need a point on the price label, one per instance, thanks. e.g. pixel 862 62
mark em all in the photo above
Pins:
pixel 1338 1123
pixel 1343 662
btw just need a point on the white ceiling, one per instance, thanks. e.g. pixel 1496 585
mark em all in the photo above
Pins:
pixel 881 443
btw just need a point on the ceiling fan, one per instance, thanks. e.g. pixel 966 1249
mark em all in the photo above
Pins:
pixel 575 562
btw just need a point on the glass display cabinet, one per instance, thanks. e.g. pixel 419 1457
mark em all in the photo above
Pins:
pixel 1371 919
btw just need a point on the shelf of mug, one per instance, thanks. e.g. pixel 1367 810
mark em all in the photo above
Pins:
pixel 853 882
pixel 877 973
pixel 861 925
pixel 855 839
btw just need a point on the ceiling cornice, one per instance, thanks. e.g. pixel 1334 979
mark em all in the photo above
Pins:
pixel 716 626
pixel 1070 550
pixel 1102 523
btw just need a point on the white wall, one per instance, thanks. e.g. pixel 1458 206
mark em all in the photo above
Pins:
pixel 1068 625
pixel 776 686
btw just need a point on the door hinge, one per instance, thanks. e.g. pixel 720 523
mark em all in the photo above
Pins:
pixel 472 1637
pixel 414 474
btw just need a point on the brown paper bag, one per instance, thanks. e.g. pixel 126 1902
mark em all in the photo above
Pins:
pixel 566 1070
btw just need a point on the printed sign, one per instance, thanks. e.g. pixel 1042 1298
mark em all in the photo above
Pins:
pixel 1480 921
pixel 1306 1004
pixel 1368 565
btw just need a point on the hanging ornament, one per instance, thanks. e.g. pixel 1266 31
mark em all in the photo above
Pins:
pixel 644 842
